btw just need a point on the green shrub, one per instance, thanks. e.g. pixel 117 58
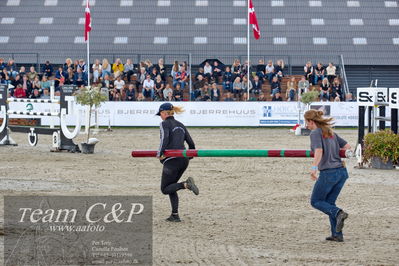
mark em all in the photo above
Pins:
pixel 383 144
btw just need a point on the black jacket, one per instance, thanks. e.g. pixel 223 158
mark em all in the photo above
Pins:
pixel 173 136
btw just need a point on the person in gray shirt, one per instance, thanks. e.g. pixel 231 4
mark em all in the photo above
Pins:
pixel 326 146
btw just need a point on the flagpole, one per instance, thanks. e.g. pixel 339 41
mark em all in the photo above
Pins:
pixel 88 59
pixel 248 49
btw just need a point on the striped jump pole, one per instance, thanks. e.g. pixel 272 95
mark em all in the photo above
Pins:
pixel 11 112
pixel 231 153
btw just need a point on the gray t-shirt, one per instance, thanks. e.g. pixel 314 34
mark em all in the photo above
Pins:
pixel 330 146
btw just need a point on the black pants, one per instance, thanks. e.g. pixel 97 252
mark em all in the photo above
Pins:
pixel 172 170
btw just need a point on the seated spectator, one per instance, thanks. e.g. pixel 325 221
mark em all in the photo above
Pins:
pixel 349 97
pixel 75 65
pixel 131 93
pixel 331 72
pixel 12 68
pixel 170 97
pixel 3 81
pixel 35 94
pixel 119 84
pixel 277 97
pixel 275 86
pixel 325 90
pixel 140 97
pixel 336 90
pixel 180 78
pixel 148 88
pixel 106 68
pixel 178 93
pixel 161 69
pixel 19 92
pixel 262 97
pixel 118 68
pixel 261 69
pixel 291 89
pixel 115 95
pixel 45 94
pixel 22 71
pixel 175 69
pixel 69 76
pixel 4 74
pixel 108 83
pixel 129 69
pixel 228 97
pixel 308 70
pixel 318 73
pixel 45 83
pixel 154 73
pixel 208 71
pixel 200 72
pixel 244 69
pixel 215 93
pixel 37 85
pixel 47 69
pixel 27 86
pixel 227 80
pixel 237 88
pixel 142 76
pixel 337 99
pixel 303 86
pixel 59 79
pixel 82 65
pixel 246 86
pixel 279 69
pixel 148 66
pixel 236 69
pixel 217 71
pixel 269 71
pixel 97 69
pixel 2 64
pixel 79 78
pixel 257 85
pixel 32 73
pixel 167 90
pixel 15 81
pixel 68 64
pixel 159 84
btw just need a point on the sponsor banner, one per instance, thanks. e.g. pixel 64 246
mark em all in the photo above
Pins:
pixel 77 230
pixel 203 113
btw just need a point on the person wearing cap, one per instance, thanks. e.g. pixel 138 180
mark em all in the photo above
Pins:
pixel 173 135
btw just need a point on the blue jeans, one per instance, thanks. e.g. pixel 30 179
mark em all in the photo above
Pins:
pixel 326 191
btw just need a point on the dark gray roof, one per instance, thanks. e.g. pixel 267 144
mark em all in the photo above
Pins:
pixel 379 32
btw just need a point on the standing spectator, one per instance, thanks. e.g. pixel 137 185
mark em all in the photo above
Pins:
pixel 159 85
pixel 131 93
pixel 208 71
pixel 279 69
pixel 291 89
pixel 68 63
pixel 47 69
pixel 148 88
pixel 260 69
pixel 215 93
pixel 277 97
pixel 119 84
pixel 32 73
pixel 237 88
pixel 269 71
pixel 178 93
pixel 331 72
pixel 117 68
pixel 319 73
pixel 106 68
pixel 227 80
pixel 236 69
pixel 129 69
pixel 303 86
pixel 161 69
pixel 275 86
pixel 308 70
pixel 19 92
pixel 257 85
pixel 80 78
pixel 97 69
pixel 325 90
pixel 217 71
pixel 336 90
pixel 167 90
pixel 246 85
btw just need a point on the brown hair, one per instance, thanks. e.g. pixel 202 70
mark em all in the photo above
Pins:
pixel 175 110
pixel 321 122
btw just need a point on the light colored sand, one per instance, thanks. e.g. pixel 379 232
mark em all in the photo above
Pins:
pixel 250 211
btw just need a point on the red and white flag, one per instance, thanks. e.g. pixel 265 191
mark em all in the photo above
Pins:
pixel 88 21
pixel 253 20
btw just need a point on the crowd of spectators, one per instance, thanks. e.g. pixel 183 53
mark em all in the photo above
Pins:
pixel 145 81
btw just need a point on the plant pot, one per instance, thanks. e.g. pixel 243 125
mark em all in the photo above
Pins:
pixel 87 148
pixel 377 163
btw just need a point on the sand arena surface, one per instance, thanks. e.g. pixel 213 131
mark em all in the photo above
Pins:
pixel 250 211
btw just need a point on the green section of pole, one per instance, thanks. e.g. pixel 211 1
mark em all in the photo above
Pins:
pixel 232 153
pixel 308 154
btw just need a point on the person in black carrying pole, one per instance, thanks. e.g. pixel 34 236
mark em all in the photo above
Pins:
pixel 173 136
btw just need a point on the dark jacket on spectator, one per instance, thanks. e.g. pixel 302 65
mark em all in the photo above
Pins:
pixel 47 70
